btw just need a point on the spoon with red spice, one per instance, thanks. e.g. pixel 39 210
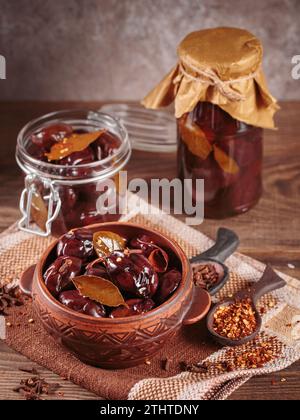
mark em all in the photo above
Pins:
pixel 209 271
pixel 237 320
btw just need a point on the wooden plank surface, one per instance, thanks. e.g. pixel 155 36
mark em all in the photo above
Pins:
pixel 270 232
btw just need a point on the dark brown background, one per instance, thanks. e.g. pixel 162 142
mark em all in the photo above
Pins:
pixel 119 49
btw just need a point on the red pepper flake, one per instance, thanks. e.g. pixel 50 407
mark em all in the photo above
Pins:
pixel 236 320
pixel 254 358
pixel 273 382
pixel 262 310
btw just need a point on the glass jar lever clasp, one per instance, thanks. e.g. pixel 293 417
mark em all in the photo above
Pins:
pixel 34 208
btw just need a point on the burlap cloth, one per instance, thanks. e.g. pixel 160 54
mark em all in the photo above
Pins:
pixel 18 250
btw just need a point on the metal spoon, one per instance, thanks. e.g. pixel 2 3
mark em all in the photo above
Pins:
pixel 270 281
pixel 226 244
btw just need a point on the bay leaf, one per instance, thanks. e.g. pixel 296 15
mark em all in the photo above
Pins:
pixel 71 144
pixel 226 163
pixel 107 242
pixel 38 211
pixel 194 138
pixel 100 290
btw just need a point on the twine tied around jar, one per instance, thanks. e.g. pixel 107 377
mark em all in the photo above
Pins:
pixel 210 77
pixel 222 66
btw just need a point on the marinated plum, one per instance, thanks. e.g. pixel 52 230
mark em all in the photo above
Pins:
pixel 74 150
pixel 79 158
pixel 144 243
pixel 168 283
pixel 78 243
pixel 157 257
pixel 105 146
pixel 68 198
pixel 96 273
pixel 59 275
pixel 73 300
pixel 225 153
pixel 133 274
pixel 96 268
pixel 134 307
pixel 49 135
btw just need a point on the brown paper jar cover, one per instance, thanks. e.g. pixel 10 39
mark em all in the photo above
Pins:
pixel 222 66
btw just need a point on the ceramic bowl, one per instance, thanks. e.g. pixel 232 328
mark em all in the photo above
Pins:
pixel 123 342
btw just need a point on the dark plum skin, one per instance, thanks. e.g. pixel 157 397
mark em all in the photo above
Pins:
pixel 49 135
pixel 78 204
pixel 100 149
pixel 144 243
pixel 73 300
pixel 133 270
pixel 68 198
pixel 96 268
pixel 105 146
pixel 135 307
pixel 132 273
pixel 77 244
pixel 226 193
pixel 60 273
pixel 168 283
pixel 78 158
pixel 156 255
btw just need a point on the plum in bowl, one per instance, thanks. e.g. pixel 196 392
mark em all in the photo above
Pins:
pixel 115 293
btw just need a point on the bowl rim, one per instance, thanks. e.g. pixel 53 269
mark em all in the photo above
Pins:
pixel 186 275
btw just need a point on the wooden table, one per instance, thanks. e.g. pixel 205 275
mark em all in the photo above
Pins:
pixel 270 232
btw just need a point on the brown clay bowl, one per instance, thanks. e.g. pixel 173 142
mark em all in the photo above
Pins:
pixel 123 342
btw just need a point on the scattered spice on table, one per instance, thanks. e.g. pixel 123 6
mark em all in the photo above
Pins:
pixel 236 320
pixel 255 358
pixel 262 310
pixel 194 368
pixel 9 297
pixel 166 364
pixel 205 275
pixel 274 382
pixel 35 387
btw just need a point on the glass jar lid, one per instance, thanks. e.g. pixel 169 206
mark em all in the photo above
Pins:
pixel 149 131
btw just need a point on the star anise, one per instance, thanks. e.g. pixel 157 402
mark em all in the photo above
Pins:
pixel 9 297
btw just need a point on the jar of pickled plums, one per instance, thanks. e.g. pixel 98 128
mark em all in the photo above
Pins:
pixel 222 105
pixel 228 156
pixel 67 158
